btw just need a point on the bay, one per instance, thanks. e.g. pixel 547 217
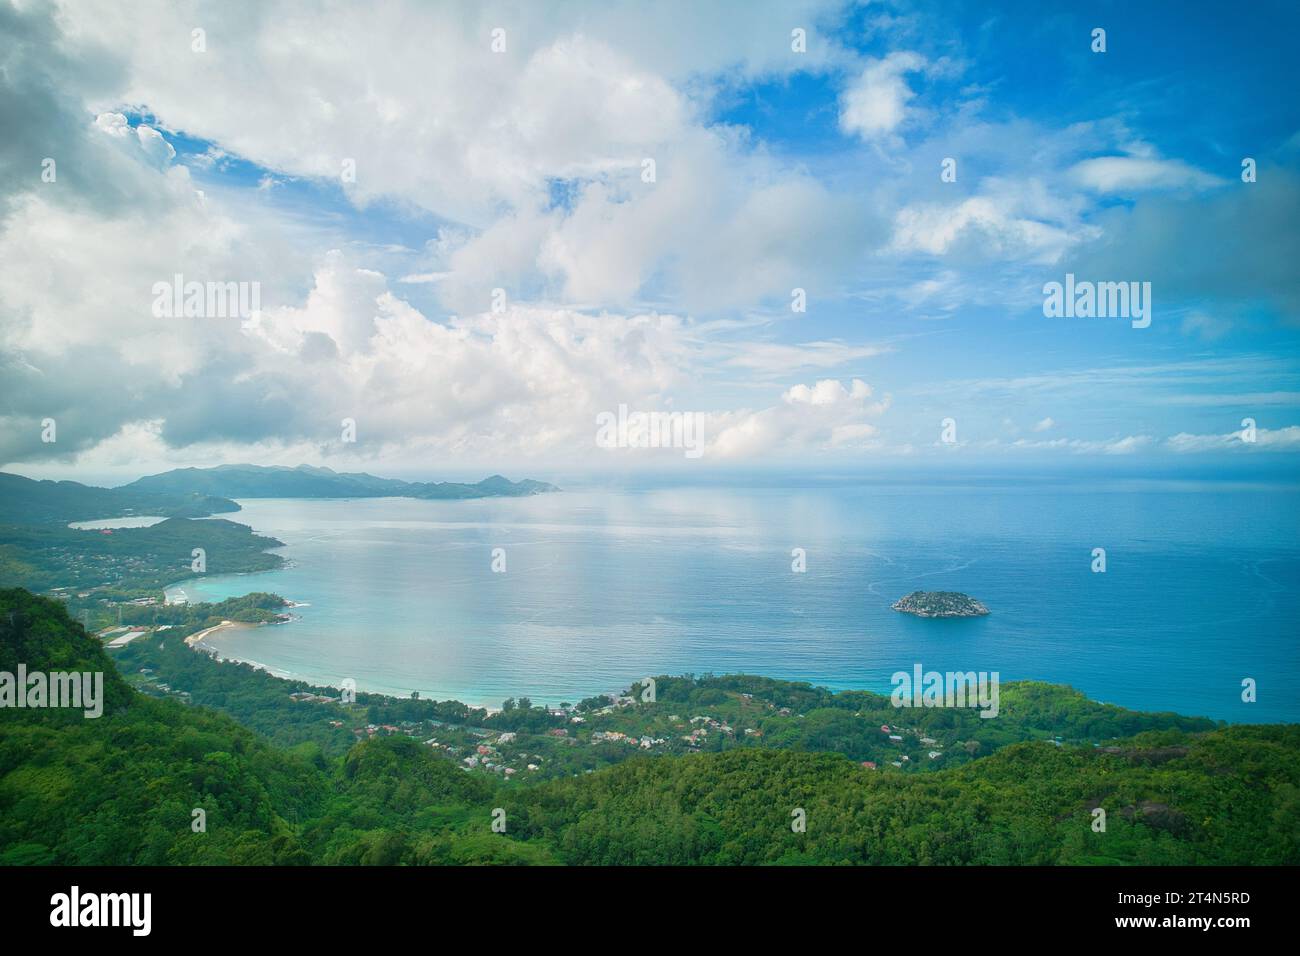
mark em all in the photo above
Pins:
pixel 603 587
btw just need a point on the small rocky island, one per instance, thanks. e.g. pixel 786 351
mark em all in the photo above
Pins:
pixel 940 604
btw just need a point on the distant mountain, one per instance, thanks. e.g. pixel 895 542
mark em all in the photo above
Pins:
pixel 25 501
pixel 306 481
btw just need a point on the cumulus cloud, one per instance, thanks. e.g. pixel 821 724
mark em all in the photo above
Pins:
pixel 578 89
pixel 113 124
pixel 874 106
pixel 717 228
pixel 334 339
pixel 158 150
pixel 825 415
pixel 1008 220
pixel 582 96
pixel 528 171
pixel 523 382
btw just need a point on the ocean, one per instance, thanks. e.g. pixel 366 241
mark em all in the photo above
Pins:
pixel 602 587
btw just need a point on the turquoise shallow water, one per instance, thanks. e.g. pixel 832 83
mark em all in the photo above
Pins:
pixel 1202 589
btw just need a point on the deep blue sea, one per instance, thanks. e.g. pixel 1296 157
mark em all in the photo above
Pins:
pixel 602 587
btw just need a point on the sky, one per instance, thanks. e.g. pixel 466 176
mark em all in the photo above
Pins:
pixel 822 229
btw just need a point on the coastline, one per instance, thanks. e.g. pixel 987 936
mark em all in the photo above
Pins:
pixel 201 641
pixel 312 653
pixel 196 639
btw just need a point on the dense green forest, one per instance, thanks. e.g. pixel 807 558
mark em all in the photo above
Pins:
pixel 308 481
pixel 255 608
pixel 124 788
pixel 128 562
pixel 96 571
pixel 26 501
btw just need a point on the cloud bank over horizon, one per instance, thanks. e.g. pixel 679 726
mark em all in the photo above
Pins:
pixel 821 228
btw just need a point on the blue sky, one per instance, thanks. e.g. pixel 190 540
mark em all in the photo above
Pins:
pixel 524 170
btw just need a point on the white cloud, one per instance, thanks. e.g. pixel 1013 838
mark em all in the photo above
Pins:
pixel 1009 219
pixel 151 142
pixel 530 163
pixel 579 90
pixel 521 384
pixel 775 358
pixel 1276 439
pixel 823 416
pixel 1127 445
pixel 1132 174
pixel 717 229
pixel 114 124
pixel 159 151
pixel 874 106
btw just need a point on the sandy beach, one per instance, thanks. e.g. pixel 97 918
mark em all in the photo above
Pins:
pixel 195 638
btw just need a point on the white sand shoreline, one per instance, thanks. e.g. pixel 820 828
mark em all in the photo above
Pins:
pixel 198 636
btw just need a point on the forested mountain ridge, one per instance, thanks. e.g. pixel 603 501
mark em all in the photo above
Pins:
pixel 306 481
pixel 129 561
pixel 25 501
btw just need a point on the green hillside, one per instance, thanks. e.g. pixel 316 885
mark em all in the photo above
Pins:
pixel 307 481
pixel 129 561
pixel 123 788
pixel 24 501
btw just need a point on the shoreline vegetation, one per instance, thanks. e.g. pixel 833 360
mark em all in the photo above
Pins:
pixel 263 608
pixel 688 770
